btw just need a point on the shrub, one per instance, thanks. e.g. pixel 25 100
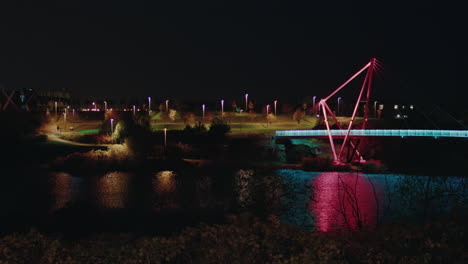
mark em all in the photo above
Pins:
pixel 247 239
pixel 318 163
pixel 219 128
pixel 372 166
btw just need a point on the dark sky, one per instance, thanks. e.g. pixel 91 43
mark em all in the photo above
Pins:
pixel 212 49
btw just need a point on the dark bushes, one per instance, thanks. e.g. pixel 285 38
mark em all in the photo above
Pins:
pixel 247 239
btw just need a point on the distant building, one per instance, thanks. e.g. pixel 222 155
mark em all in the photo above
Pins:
pixel 28 99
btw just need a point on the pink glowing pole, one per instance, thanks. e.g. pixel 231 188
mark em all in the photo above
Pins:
pixel 340 127
pixel 333 116
pixel 349 80
pixel 267 109
pixel 366 108
pixel 354 114
pixel 366 85
pixel 325 118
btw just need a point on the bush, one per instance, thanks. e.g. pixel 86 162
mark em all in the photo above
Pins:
pixel 219 128
pixel 295 153
pixel 318 163
pixel 247 239
pixel 115 157
pixel 373 167
pixel 84 138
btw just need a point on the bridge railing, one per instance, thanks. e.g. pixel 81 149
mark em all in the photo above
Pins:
pixel 374 132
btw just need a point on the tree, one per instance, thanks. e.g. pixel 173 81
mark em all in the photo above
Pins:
pixel 219 127
pixel 251 107
pixel 298 115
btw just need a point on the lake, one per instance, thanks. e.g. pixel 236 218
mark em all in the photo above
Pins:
pixel 122 201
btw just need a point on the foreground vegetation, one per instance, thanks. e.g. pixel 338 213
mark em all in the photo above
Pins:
pixel 247 239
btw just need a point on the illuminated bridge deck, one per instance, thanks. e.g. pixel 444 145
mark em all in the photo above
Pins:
pixel 375 133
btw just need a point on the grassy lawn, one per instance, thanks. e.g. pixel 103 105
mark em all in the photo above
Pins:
pixel 88 131
pixel 238 125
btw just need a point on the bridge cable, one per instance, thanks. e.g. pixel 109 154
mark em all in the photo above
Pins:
pixel 451 116
pixel 425 116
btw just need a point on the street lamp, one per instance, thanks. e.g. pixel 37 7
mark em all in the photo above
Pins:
pixel 203 111
pixel 65 120
pixel 375 109
pixel 313 101
pixel 222 109
pixel 267 109
pixel 338 110
pixel 73 112
pixel 134 110
pixel 112 126
pixel 165 137
pixel 246 101
pixel 167 105
pixel 94 106
pixel 275 102
pixel 149 104
pixel 55 109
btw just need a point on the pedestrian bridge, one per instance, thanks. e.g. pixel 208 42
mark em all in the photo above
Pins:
pixel 374 133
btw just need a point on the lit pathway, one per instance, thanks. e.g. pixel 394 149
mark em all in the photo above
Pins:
pixel 53 137
pixel 374 133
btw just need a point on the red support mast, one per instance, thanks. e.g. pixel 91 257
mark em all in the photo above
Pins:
pixel 323 106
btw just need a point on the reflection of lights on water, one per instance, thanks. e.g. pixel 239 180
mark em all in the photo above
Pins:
pixel 60 184
pixel 343 200
pixel 164 182
pixel 112 190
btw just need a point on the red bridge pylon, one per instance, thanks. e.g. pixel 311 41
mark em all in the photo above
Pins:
pixel 326 112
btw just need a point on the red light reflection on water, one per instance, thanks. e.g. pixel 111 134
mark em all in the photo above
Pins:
pixel 344 201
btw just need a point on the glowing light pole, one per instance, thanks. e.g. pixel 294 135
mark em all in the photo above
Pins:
pixel 222 109
pixel 375 109
pixel 149 104
pixel 203 111
pixel 165 137
pixel 105 106
pixel 167 105
pixel 65 120
pixel 112 126
pixel 246 102
pixel 275 102
pixel 73 112
pixel 95 106
pixel 267 109
pixel 313 101
pixel 56 109
pixel 338 109
pixel 134 110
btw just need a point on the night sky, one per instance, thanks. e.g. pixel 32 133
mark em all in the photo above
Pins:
pixel 211 49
